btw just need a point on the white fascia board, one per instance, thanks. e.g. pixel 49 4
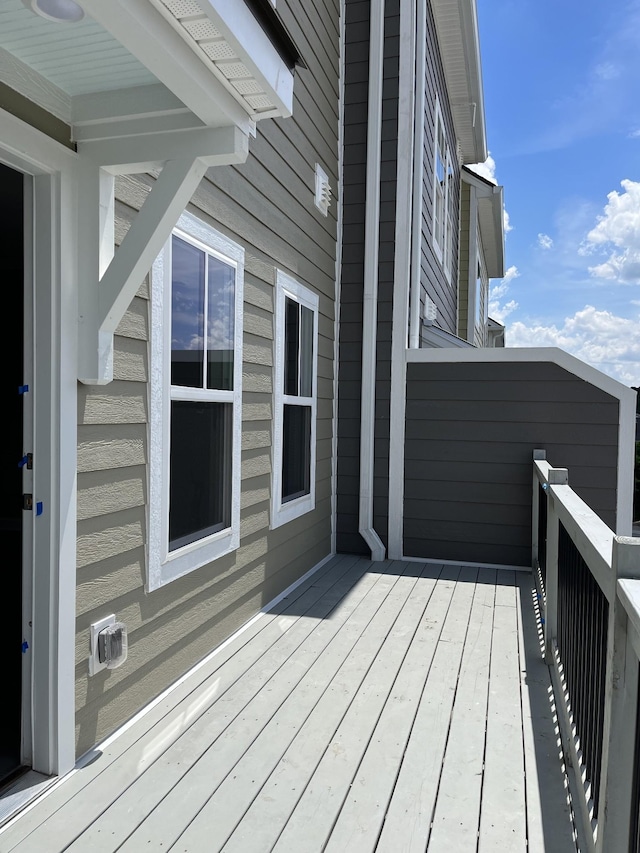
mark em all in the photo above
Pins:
pixel 146 34
pixel 459 42
pixel 490 220
pixel 554 355
pixel 245 34
pixel 491 224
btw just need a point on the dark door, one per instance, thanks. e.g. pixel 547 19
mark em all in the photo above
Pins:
pixel 11 451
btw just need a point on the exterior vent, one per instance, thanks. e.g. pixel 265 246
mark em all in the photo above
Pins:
pixel 430 312
pixel 323 190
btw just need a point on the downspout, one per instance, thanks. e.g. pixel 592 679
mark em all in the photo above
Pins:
pixel 370 292
pixel 338 292
pixel 418 170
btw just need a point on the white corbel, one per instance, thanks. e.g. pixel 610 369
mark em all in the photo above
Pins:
pixel 109 280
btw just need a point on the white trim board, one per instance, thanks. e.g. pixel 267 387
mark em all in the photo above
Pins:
pixel 433 561
pixel 401 273
pixel 52 166
pixel 370 295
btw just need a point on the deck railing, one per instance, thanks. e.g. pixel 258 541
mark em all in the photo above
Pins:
pixel 590 585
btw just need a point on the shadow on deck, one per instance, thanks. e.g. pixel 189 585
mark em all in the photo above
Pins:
pixel 388 706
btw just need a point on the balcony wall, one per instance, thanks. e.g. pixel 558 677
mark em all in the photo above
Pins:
pixel 471 427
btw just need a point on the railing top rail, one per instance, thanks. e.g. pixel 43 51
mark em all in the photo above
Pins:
pixel 628 590
pixel 591 536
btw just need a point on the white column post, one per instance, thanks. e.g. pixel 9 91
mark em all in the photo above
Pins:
pixel 556 477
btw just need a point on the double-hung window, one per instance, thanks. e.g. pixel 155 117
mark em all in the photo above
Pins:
pixel 296 357
pixel 195 418
pixel 444 214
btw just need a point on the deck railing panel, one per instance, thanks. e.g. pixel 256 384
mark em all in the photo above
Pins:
pixel 591 606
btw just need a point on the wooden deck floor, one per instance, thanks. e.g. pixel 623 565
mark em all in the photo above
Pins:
pixel 395 707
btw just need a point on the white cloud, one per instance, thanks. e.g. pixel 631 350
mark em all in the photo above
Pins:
pixel 507 223
pixel 635 134
pixel 497 311
pixel 618 232
pixel 600 338
pixel 606 71
pixel 544 241
pixel 486 170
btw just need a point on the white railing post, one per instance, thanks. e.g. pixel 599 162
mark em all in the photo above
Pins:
pixel 535 512
pixel 620 710
pixel 556 477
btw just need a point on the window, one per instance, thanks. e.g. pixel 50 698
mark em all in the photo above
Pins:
pixel 294 440
pixel 444 213
pixel 195 418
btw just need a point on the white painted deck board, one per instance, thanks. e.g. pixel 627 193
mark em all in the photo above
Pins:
pixel 310 672
pixel 179 784
pixel 549 819
pixel 350 719
pixel 408 820
pixel 457 814
pixel 378 644
pixel 503 820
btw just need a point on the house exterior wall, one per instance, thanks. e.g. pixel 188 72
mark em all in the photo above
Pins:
pixel 266 205
pixel 356 76
pixel 434 283
pixel 470 434
pixel 433 278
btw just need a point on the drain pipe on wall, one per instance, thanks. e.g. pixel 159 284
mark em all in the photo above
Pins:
pixel 370 295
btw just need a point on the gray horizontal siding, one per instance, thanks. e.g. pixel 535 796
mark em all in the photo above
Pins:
pixel 470 434
pixel 356 75
pixel 434 283
pixel 267 206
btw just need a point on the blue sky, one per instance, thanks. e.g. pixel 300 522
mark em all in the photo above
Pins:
pixel 562 103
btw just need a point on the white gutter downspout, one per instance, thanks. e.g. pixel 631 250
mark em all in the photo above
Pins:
pixel 370 294
pixel 418 170
pixel 338 291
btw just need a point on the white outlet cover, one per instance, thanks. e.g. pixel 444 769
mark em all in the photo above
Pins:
pixel 96 627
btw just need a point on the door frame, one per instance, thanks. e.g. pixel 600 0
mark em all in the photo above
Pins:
pixel 50 579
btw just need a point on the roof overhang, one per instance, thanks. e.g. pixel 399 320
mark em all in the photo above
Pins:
pixel 458 38
pixel 199 63
pixel 490 198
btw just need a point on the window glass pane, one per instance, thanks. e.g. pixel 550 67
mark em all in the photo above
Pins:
pixel 187 314
pixel 220 325
pixel 200 470
pixel 291 343
pixel 306 351
pixel 296 452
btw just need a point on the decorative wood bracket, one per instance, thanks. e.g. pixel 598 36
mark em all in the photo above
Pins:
pixel 108 280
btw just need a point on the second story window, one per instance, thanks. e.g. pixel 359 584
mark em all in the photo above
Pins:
pixel 444 218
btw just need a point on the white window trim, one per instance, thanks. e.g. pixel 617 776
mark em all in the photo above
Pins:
pixel 281 513
pixel 165 566
pixel 444 252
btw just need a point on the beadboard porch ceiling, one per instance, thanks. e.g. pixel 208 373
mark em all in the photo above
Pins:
pixel 388 707
pixel 145 66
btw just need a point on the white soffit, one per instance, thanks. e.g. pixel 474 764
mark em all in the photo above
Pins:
pixel 458 38
pixel 262 84
pixel 77 58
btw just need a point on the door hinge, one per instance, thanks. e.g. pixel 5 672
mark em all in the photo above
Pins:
pixel 27 501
